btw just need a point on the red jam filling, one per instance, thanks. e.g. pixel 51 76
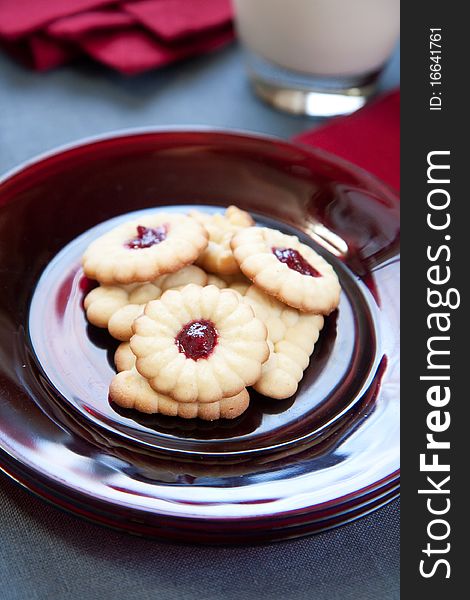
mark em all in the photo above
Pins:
pixel 197 339
pixel 146 237
pixel 295 261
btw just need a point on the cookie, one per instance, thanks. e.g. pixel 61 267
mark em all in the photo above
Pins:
pixel 199 344
pixel 129 389
pixel 143 249
pixel 217 281
pixel 120 323
pixel 116 307
pixel 189 274
pixel 285 268
pixel 124 358
pixel 103 301
pixel 291 337
pixel 218 257
pixel 237 282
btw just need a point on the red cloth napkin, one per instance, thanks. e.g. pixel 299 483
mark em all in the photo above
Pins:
pixel 177 19
pixel 129 36
pixel 369 138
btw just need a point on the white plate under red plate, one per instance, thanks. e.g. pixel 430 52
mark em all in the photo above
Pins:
pixel 284 468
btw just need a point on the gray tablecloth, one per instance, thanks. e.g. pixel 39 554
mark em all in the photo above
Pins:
pixel 46 554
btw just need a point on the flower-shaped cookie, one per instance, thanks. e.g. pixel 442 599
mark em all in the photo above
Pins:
pixel 285 268
pixel 129 389
pixel 291 337
pixel 116 306
pixel 199 344
pixel 218 256
pixel 142 250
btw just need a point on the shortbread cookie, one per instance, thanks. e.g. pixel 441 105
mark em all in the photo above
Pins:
pixel 116 307
pixel 124 358
pixel 103 301
pixel 189 274
pixel 237 282
pixel 285 268
pixel 129 389
pixel 120 323
pixel 143 249
pixel 199 344
pixel 218 257
pixel 291 336
pixel 217 281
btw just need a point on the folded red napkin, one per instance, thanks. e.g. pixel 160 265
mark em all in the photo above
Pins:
pixel 130 36
pixel 369 137
pixel 176 19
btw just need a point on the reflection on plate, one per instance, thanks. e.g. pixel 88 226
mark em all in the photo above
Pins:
pixel 282 469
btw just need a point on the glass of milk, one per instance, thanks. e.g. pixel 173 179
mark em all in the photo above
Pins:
pixel 316 57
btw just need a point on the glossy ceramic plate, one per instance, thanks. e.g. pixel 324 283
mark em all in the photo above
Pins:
pixel 284 468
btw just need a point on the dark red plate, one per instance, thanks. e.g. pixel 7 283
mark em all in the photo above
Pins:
pixel 284 468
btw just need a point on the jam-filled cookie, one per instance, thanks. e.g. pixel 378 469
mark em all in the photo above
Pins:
pixel 116 307
pixel 129 389
pixel 291 337
pixel 199 344
pixel 285 268
pixel 218 257
pixel 142 250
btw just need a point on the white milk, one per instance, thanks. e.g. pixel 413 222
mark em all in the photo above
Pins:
pixel 321 37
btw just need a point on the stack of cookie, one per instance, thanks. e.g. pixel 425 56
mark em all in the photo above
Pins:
pixel 206 305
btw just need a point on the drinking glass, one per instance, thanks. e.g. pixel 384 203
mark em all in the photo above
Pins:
pixel 316 57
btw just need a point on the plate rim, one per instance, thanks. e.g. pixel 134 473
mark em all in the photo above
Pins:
pixel 151 130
